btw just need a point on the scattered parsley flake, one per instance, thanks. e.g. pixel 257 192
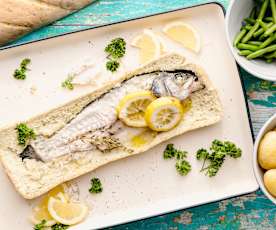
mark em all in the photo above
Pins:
pixel 219 151
pixel 96 186
pixel 24 133
pixel 112 65
pixel 183 167
pixel 20 73
pixel 40 226
pixel 68 83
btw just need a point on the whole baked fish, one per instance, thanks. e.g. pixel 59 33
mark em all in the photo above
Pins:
pixel 97 126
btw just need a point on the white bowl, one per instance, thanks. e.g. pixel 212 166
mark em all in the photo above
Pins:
pixel 259 172
pixel 237 11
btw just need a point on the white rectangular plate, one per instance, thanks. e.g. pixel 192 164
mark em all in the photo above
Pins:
pixel 144 185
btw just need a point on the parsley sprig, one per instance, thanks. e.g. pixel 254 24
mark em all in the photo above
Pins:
pixel 24 133
pixel 182 166
pixel 57 226
pixel 40 226
pixel 96 186
pixel 20 73
pixel 116 49
pixel 219 150
pixel 67 83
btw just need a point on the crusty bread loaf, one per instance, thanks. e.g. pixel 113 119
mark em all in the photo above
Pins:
pixel 18 17
pixel 33 178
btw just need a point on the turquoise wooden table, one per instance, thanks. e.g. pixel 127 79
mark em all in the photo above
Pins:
pixel 251 211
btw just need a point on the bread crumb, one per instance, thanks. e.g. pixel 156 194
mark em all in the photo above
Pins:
pixel 33 89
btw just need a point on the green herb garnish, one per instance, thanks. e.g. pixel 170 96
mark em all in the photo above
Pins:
pixel 116 49
pixel 96 186
pixel 171 152
pixel 24 133
pixel 20 73
pixel 68 83
pixel 218 152
pixel 40 226
pixel 182 165
pixel 59 226
pixel 112 65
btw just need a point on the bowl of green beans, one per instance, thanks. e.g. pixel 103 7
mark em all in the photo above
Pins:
pixel 251 34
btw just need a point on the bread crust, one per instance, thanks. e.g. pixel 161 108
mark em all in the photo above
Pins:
pixel 18 17
pixel 32 178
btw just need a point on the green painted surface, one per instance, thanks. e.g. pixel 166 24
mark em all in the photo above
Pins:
pixel 252 211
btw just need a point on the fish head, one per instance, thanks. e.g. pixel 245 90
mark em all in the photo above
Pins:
pixel 179 84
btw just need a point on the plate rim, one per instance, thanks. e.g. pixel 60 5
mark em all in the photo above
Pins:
pixel 220 5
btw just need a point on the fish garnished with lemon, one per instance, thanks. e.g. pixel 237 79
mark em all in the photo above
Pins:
pixel 142 109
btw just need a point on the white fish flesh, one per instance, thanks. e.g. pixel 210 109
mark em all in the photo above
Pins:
pixel 95 127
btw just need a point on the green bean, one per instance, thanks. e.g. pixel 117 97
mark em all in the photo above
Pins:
pixel 255 43
pixel 247 27
pixel 253 13
pixel 270 30
pixel 250 33
pixel 239 37
pixel 273 9
pixel 261 52
pixel 263 9
pixel 243 46
pixel 268 41
pixel 262 24
pixel 269 60
pixel 261 30
pixel 245 52
pixel 268 19
pixel 250 21
pixel 272 55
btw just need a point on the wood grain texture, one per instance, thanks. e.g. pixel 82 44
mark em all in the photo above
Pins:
pixel 252 211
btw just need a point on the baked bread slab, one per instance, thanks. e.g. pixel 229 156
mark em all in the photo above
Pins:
pixel 18 17
pixel 32 178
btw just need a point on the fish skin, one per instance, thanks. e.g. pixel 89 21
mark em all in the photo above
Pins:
pixel 93 127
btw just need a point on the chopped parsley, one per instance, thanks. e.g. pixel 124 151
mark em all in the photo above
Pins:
pixel 24 133
pixel 116 49
pixel 215 158
pixel 112 65
pixel 40 226
pixel 68 83
pixel 59 226
pixel 20 73
pixel 182 166
pixel 96 186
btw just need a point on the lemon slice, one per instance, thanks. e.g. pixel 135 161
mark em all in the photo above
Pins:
pixel 131 109
pixel 183 33
pixel 164 113
pixel 149 45
pixel 67 213
pixel 40 212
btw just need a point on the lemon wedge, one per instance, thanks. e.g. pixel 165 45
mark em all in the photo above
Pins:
pixel 149 45
pixel 40 212
pixel 131 109
pixel 68 213
pixel 183 33
pixel 164 113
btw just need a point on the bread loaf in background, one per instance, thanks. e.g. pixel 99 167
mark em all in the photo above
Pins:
pixel 18 17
